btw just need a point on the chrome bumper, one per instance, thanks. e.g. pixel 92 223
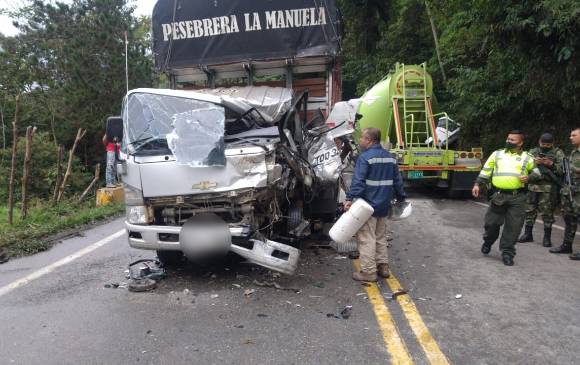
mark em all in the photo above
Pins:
pixel 165 237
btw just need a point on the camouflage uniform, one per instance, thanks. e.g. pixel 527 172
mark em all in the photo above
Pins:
pixel 543 192
pixel 570 209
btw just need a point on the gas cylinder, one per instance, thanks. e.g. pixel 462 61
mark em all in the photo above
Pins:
pixel 351 221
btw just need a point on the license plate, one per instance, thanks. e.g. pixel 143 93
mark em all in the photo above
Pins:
pixel 415 174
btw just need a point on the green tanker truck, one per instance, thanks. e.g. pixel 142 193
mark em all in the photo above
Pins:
pixel 401 106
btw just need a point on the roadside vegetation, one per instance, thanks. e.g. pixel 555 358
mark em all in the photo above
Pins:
pixel 45 221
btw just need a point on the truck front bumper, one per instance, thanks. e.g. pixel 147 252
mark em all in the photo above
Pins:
pixel 270 254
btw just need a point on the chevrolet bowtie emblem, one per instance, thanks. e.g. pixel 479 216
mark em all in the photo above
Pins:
pixel 204 185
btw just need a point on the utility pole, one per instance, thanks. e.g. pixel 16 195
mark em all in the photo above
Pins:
pixel 434 31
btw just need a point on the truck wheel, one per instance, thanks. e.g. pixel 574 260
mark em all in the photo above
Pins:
pixel 169 258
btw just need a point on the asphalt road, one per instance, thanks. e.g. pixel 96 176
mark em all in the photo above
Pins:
pixel 461 308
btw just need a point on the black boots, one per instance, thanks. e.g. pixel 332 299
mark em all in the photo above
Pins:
pixel 565 247
pixel 547 242
pixel 527 236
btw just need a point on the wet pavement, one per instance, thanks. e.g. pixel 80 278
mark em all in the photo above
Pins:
pixel 474 309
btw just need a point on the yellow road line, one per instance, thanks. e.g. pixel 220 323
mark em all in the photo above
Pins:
pixel 427 342
pixel 395 345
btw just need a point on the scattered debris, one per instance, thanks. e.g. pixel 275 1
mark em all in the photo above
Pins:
pixel 239 326
pixel 262 315
pixel 147 268
pixel 143 275
pixel 112 285
pixel 458 296
pixel 249 342
pixel 141 284
pixel 185 291
pixel 213 296
pixel 237 286
pixel 274 285
pixel 359 294
pixel 346 312
pixel 398 293
pixel 249 292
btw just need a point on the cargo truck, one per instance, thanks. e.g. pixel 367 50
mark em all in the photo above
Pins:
pixel 235 156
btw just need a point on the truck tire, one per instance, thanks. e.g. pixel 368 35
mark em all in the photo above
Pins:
pixel 170 258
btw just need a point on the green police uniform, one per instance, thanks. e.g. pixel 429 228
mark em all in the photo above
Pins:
pixel 503 170
pixel 570 208
pixel 543 194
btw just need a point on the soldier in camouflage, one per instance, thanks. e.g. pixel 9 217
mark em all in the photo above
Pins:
pixel 571 207
pixel 543 194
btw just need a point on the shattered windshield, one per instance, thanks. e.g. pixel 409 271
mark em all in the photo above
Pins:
pixel 191 130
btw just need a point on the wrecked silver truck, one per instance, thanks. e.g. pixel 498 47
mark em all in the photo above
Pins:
pixel 225 170
pixel 235 156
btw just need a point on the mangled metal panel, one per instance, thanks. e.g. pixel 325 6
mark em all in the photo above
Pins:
pixel 271 102
pixel 342 117
pixel 246 167
pixel 187 33
pixel 324 156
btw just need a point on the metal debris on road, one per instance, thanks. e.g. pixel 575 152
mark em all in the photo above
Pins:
pixel 141 284
pixel 274 285
pixel 346 312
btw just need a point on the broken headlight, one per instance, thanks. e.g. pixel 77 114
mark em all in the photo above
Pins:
pixel 133 196
pixel 138 214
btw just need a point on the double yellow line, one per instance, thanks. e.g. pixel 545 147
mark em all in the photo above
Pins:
pixel 395 344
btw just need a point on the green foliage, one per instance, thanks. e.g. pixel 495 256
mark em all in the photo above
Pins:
pixel 378 34
pixel 43 166
pixel 30 236
pixel 509 65
pixel 69 59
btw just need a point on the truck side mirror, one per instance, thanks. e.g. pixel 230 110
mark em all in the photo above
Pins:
pixel 114 128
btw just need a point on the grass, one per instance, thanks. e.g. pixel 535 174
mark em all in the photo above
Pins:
pixel 30 236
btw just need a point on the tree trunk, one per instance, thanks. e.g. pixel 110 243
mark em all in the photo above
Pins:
pixel 3 133
pixel 26 168
pixel 80 134
pixel 58 173
pixel 436 40
pixel 13 166
pixel 97 173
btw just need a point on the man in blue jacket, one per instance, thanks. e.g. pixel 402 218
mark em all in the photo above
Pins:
pixel 376 175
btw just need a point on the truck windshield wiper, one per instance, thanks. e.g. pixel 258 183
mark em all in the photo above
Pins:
pixel 138 144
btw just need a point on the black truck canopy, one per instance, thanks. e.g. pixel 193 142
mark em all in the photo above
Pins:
pixel 207 32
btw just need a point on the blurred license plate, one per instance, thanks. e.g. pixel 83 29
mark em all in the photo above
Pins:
pixel 415 174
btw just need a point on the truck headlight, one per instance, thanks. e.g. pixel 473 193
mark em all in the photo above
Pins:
pixel 133 196
pixel 137 214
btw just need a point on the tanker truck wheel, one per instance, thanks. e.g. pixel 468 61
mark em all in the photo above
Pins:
pixel 170 258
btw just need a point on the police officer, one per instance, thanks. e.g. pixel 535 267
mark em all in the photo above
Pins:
pixel 507 170
pixel 543 194
pixel 571 208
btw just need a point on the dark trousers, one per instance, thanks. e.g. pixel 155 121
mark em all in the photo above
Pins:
pixel 509 210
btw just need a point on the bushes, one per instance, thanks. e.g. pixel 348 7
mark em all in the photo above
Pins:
pixel 43 170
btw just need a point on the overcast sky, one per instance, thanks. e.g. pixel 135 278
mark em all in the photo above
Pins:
pixel 144 7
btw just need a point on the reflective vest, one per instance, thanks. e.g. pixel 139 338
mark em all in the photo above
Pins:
pixel 505 168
